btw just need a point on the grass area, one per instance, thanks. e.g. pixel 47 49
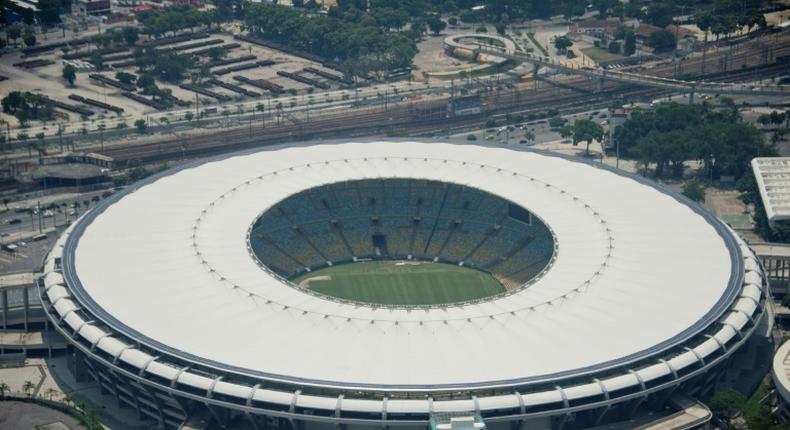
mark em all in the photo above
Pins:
pixel 402 283
pixel 537 45
pixel 601 55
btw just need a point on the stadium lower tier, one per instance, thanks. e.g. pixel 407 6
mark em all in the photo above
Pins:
pixel 402 219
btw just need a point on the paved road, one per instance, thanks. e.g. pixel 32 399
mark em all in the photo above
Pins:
pixel 26 416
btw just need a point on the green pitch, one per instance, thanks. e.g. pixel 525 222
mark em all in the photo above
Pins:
pixel 407 283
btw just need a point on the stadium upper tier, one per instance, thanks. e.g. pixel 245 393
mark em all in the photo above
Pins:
pixel 404 219
pixel 159 283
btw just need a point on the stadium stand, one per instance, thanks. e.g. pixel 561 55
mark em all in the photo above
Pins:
pixel 402 219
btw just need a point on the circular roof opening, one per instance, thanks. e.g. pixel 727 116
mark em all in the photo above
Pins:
pixel 402 242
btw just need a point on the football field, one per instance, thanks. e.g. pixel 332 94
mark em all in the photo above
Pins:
pixel 401 283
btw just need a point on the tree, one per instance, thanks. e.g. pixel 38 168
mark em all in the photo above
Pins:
pixel 97 60
pixel 452 21
pixel 69 74
pixel 566 132
pixel 777 118
pixel 529 135
pixel 704 21
pixel 49 11
pixel 660 13
pixel 629 46
pixel 662 41
pixel 171 67
pixel 126 78
pixel 216 52
pixel 562 43
pixel 138 173
pixel 3 388
pixel 26 106
pixel 674 133
pixel 51 392
pixel 28 388
pixel 140 125
pixel 694 191
pixel 146 83
pixel 603 6
pixel 29 38
pixel 361 41
pixel 130 35
pixel 40 137
pixel 614 47
pixel 585 130
pixel 557 122
pixel 436 25
pixel 14 33
pixel 726 404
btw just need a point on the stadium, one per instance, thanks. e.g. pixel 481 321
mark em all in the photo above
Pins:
pixel 401 283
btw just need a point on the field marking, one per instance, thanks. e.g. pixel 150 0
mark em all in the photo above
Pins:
pixel 306 282
pixel 393 282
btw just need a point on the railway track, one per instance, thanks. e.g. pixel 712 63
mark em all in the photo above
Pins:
pixel 427 117
pixel 411 119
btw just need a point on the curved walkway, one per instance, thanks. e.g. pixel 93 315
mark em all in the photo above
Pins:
pixel 455 44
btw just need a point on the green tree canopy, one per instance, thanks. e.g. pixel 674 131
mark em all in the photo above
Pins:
pixel 662 41
pixel 726 404
pixel 29 38
pixel 675 133
pixel 436 25
pixel 69 74
pixel 585 130
pixel 562 43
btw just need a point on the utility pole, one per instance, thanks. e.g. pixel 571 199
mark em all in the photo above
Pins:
pixel 40 218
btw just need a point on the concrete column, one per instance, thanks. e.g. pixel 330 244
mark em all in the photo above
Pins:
pixel 4 300
pixel 253 420
pixel 601 414
pixel 158 402
pixel 25 304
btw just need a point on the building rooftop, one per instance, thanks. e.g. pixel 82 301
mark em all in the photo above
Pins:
pixel 773 181
pixel 74 171
pixel 597 23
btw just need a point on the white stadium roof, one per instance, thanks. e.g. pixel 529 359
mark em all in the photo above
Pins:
pixel 636 270
pixel 773 181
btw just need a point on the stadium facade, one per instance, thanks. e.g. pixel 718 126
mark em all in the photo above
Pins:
pixel 172 309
